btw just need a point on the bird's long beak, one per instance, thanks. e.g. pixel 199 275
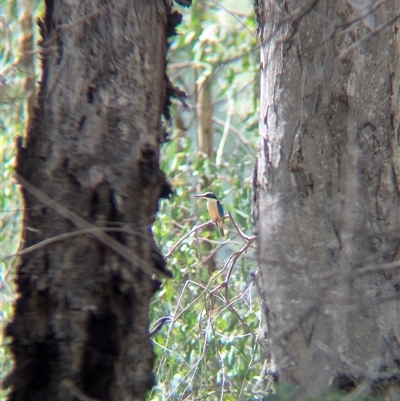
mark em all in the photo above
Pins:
pixel 200 196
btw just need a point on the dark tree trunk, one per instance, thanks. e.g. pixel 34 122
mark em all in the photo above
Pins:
pixel 327 192
pixel 91 163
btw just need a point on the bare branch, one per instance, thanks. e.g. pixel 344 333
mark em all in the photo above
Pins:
pixel 65 236
pixel 76 392
pixel 81 223
pixel 241 233
pixel 374 32
pixel 170 252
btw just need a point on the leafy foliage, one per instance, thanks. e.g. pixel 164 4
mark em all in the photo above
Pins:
pixel 212 350
pixel 213 347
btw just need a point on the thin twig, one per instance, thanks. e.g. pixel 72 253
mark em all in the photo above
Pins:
pixel 237 132
pixel 65 236
pixel 374 32
pixel 241 233
pixel 81 223
pixel 76 392
pixel 185 236
pixel 196 228
pixel 233 14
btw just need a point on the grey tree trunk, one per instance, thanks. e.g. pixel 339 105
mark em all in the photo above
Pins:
pixel 327 193
pixel 91 182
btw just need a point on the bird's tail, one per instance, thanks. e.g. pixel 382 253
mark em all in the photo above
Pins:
pixel 221 230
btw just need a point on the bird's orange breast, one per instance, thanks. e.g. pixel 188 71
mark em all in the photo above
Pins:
pixel 213 210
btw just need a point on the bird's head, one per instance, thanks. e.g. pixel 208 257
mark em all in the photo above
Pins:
pixel 207 195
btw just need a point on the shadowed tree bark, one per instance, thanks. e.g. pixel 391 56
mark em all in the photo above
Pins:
pixel 91 181
pixel 327 193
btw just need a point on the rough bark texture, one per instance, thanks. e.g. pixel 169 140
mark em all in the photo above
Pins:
pixel 327 192
pixel 81 321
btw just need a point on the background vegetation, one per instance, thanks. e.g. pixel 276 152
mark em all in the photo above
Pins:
pixel 210 347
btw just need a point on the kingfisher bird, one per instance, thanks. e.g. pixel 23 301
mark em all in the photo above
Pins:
pixel 214 208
